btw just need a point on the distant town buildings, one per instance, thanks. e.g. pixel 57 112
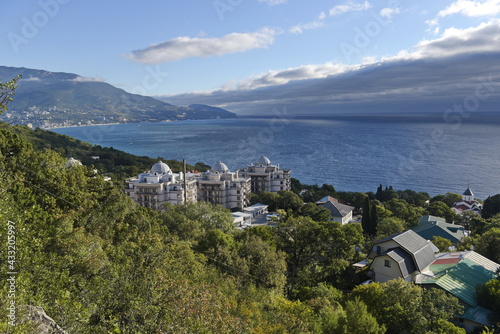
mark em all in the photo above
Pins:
pixel 468 203
pixel 219 185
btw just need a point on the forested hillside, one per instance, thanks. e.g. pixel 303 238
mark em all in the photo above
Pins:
pixel 98 263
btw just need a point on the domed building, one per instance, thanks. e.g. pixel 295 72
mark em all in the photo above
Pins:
pixel 264 176
pixel 221 186
pixel 160 185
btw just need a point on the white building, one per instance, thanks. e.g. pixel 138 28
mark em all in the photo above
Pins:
pixel 265 176
pixel 468 203
pixel 160 185
pixel 223 187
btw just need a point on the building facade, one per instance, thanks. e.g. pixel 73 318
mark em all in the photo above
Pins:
pixel 218 186
pixel 223 187
pixel 160 185
pixel 264 176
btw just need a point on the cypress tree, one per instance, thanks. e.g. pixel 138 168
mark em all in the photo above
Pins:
pixel 365 218
pixel 373 220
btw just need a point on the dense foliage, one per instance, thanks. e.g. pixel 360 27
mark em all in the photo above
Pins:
pixel 98 263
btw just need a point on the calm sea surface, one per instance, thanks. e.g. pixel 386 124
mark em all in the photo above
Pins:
pixel 351 153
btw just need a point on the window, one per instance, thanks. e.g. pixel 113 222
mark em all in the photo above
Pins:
pixel 387 263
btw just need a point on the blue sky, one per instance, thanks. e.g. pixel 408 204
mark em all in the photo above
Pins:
pixel 251 56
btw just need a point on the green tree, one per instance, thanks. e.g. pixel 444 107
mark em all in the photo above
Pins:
pixel 374 217
pixel 366 218
pixel 488 295
pixel 442 243
pixel 488 244
pixel 389 226
pixel 491 206
pixel 400 305
pixel 449 199
pixel 6 92
pixel 440 209
pixel 358 320
pixel 316 212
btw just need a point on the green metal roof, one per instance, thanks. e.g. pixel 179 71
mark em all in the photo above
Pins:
pixel 462 279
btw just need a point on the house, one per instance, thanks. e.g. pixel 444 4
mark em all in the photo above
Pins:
pixel 340 212
pixel 459 273
pixel 431 226
pixel 403 255
pixel 468 203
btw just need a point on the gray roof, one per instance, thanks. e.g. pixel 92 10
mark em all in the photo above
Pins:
pixel 468 192
pixel 403 260
pixel 419 248
pixel 428 229
pixel 337 209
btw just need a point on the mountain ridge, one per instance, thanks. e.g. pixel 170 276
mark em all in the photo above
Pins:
pixel 48 99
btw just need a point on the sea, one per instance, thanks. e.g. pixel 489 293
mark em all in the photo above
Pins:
pixel 433 153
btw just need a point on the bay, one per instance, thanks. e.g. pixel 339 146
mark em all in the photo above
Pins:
pixel 353 153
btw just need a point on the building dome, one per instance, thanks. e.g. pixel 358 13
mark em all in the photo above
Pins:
pixel 220 167
pixel 263 161
pixel 161 168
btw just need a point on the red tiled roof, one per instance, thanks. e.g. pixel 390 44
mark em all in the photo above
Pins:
pixel 447 261
pixel 462 207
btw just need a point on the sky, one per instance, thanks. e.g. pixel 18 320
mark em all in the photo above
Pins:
pixel 259 56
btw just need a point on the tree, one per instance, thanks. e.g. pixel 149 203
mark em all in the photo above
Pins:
pixel 365 218
pixel 6 92
pixel 389 226
pixel 401 305
pixel 442 243
pixel 373 219
pixel 449 199
pixel 358 319
pixel 491 206
pixel 440 209
pixel 488 244
pixel 488 295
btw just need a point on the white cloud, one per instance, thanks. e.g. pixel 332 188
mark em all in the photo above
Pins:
pixel 453 41
pixel 472 8
pixel 423 78
pixel 273 2
pixel 31 79
pixel 389 12
pixel 86 79
pixel 187 47
pixel 349 6
pixel 299 28
pixel 304 72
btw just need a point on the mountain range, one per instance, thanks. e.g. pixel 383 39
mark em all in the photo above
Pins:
pixel 55 99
